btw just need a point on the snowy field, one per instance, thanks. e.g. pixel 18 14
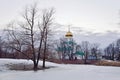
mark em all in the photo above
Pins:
pixel 60 72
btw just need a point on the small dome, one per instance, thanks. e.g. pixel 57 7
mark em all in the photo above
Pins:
pixel 69 34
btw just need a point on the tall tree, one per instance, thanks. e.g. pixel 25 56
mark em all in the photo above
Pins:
pixel 47 19
pixel 30 32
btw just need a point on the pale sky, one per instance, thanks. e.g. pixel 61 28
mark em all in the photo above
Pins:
pixel 90 16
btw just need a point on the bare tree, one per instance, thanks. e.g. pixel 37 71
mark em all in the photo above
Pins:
pixel 111 51
pixel 61 48
pixel 95 49
pixel 47 18
pixel 31 32
pixel 85 46
pixel 118 49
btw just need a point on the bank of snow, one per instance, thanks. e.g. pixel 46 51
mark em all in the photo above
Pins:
pixel 60 72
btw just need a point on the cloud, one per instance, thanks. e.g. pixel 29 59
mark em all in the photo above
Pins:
pixel 104 39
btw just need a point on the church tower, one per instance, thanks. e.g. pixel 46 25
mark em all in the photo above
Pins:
pixel 69 44
pixel 69 34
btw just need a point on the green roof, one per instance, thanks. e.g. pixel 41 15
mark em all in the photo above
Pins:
pixel 79 53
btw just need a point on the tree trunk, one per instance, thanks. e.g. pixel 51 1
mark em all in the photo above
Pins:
pixel 44 57
pixel 44 53
pixel 86 57
pixel 0 55
pixel 112 57
pixel 35 66
pixel 96 56
pixel 44 61
pixel 118 57
pixel 45 48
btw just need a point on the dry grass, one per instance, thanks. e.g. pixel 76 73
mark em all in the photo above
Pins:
pixel 20 66
pixel 108 63
pixel 24 67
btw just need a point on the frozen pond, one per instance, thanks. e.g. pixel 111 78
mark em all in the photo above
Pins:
pixel 64 72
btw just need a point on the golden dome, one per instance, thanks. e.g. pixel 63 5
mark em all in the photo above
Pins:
pixel 69 34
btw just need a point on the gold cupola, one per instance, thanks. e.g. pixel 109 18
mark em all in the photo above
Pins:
pixel 69 34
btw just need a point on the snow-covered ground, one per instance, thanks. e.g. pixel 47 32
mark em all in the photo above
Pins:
pixel 60 72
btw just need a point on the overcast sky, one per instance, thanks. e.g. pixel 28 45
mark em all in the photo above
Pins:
pixel 96 16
